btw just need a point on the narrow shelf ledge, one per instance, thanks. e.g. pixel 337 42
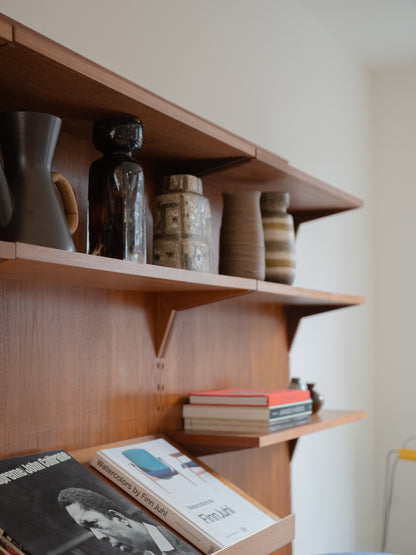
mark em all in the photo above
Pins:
pixel 178 140
pixel 310 198
pixel 175 137
pixel 176 289
pixel 209 443
pixel 277 535
pixel 289 295
pixel 32 262
pixel 300 302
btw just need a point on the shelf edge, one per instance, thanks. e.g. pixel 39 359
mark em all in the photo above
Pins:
pixel 206 443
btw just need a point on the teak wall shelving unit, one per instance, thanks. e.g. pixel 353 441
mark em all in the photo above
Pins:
pixel 96 350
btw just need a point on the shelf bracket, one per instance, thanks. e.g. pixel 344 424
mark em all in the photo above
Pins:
pixel 292 446
pixel 296 313
pixel 168 304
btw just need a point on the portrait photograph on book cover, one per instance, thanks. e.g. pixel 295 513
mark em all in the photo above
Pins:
pixel 50 504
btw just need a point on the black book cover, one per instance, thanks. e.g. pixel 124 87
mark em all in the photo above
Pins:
pixel 51 504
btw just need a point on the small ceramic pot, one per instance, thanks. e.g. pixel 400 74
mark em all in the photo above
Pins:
pixel 297 383
pixel 317 398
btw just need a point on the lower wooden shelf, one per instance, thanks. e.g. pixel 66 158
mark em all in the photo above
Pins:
pixel 279 534
pixel 209 443
pixel 267 540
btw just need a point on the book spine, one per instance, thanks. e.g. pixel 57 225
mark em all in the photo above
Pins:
pixel 271 399
pixel 291 422
pixel 146 498
pixel 10 545
pixel 278 412
pixel 244 427
pixel 239 413
pixel 253 414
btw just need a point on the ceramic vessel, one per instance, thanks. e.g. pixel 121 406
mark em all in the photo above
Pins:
pixel 279 237
pixel 317 398
pixel 31 210
pixel 182 229
pixel 241 236
pixel 297 383
pixel 116 201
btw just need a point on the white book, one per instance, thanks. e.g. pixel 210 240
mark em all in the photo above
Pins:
pixel 245 426
pixel 182 493
pixel 181 525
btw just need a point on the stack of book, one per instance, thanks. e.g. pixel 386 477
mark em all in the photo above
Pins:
pixel 247 411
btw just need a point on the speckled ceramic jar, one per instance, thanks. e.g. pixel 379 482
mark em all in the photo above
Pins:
pixel 182 235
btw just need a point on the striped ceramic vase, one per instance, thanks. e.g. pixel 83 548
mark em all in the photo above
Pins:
pixel 279 237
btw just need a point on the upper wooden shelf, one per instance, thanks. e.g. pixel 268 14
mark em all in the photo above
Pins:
pixel 41 75
pixel 208 443
pixel 178 287
pixel 289 295
pixel 33 262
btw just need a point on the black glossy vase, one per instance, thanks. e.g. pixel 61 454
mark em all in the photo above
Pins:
pixel 116 202
pixel 30 208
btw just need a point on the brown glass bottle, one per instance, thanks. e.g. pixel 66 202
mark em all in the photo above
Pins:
pixel 116 202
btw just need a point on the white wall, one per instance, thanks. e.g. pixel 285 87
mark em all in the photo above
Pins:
pixel 266 70
pixel 395 188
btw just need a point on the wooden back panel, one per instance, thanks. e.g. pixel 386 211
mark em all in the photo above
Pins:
pixel 78 364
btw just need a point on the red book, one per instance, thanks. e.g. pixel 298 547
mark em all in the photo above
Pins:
pixel 249 397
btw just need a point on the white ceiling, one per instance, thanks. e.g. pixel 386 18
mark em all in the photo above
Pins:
pixel 382 33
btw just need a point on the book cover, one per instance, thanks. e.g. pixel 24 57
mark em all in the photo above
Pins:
pixel 169 483
pixel 255 397
pixel 244 426
pixel 246 413
pixel 50 504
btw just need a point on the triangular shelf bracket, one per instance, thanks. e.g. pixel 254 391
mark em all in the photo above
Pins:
pixel 168 304
pixel 296 313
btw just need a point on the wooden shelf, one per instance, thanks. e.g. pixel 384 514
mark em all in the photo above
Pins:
pixel 57 374
pixel 269 292
pixel 176 289
pixel 24 261
pixel 262 543
pixel 310 198
pixel 33 262
pixel 265 541
pixel 45 76
pixel 300 302
pixel 208 443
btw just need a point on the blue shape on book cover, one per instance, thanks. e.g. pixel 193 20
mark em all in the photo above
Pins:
pixel 149 464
